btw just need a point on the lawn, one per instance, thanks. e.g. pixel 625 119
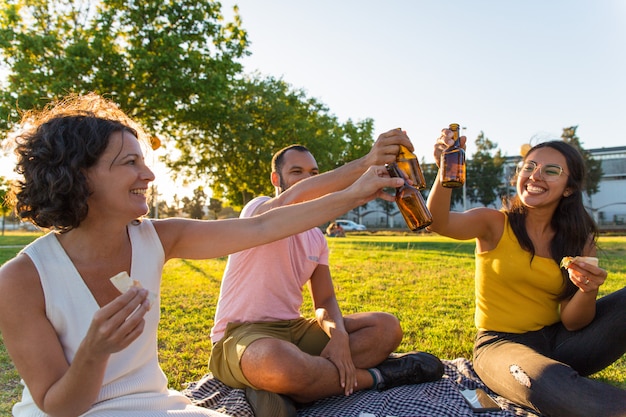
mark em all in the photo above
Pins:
pixel 427 281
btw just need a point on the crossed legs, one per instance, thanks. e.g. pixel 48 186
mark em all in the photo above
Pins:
pixel 280 366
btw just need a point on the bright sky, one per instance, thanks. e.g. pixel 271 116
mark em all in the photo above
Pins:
pixel 520 71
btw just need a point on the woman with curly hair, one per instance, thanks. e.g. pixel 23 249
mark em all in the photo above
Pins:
pixel 80 346
pixel 540 327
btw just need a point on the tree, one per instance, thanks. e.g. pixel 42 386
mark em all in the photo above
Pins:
pixel 168 64
pixel 266 114
pixel 195 206
pixel 484 172
pixel 173 67
pixel 5 207
pixel 593 166
pixel 215 207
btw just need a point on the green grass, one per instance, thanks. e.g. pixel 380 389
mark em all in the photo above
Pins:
pixel 427 281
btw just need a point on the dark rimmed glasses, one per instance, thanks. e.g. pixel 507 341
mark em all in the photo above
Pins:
pixel 549 172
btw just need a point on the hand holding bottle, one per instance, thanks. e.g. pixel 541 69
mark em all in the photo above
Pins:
pixel 444 141
pixel 410 201
pixel 452 164
pixel 372 185
pixel 385 149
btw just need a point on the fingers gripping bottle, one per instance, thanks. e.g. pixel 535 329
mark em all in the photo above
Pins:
pixel 452 162
pixel 410 202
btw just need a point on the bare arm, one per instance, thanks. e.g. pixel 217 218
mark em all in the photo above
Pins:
pixel 184 238
pixel 483 224
pixel 330 319
pixel 384 151
pixel 37 352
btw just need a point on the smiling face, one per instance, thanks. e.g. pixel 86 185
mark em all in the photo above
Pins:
pixel 119 180
pixel 533 189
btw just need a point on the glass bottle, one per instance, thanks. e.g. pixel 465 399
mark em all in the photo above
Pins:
pixel 407 162
pixel 410 202
pixel 452 162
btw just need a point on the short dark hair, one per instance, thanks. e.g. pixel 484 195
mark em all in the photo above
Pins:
pixel 278 159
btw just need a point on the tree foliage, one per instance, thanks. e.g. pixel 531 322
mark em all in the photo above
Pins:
pixel 195 206
pixel 215 207
pixel 169 64
pixel 5 207
pixel 484 172
pixel 267 114
pixel 173 67
pixel 593 166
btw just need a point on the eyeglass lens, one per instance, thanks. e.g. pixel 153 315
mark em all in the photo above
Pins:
pixel 548 172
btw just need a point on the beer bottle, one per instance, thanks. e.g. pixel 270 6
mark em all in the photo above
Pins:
pixel 452 162
pixel 407 162
pixel 410 202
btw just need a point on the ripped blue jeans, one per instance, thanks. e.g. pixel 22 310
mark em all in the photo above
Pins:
pixel 545 370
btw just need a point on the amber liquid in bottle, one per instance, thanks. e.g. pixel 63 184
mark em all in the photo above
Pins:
pixel 453 162
pixel 410 202
pixel 407 162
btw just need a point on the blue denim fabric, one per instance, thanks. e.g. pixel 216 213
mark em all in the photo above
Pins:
pixel 545 370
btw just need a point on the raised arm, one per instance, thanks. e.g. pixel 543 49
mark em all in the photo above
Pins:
pixel 383 151
pixel 184 238
pixel 482 223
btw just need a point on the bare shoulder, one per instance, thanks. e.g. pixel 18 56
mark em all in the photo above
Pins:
pixel 18 277
pixel 20 289
pixel 493 226
pixel 18 272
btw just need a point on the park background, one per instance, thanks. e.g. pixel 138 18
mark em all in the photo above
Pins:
pixel 222 88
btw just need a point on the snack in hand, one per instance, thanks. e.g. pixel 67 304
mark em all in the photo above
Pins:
pixel 123 283
pixel 567 260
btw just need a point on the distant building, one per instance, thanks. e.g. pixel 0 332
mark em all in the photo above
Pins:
pixel 608 205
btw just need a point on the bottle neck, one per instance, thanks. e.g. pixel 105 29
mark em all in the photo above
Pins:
pixel 395 172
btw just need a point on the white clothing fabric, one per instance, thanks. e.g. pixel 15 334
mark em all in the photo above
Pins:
pixel 265 283
pixel 134 384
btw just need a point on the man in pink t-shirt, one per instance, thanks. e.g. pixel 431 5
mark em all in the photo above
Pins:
pixel 260 340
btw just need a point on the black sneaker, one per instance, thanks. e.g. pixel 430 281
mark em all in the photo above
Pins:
pixel 270 404
pixel 409 368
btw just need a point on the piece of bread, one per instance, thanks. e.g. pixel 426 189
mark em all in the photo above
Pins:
pixel 123 283
pixel 567 260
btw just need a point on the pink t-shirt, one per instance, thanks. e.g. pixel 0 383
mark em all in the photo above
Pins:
pixel 265 283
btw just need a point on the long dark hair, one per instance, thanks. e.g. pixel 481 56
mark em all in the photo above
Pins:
pixel 571 222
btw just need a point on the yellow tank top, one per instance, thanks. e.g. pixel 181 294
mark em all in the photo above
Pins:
pixel 514 294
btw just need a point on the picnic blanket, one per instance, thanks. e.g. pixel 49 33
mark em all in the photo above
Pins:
pixel 434 399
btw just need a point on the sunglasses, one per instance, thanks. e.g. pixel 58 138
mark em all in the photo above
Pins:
pixel 549 173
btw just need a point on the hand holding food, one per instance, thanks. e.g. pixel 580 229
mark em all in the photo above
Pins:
pixel 568 260
pixel 123 283
pixel 588 277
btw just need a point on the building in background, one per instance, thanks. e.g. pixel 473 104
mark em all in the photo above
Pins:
pixel 607 206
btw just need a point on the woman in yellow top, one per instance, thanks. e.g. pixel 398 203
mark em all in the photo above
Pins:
pixel 540 327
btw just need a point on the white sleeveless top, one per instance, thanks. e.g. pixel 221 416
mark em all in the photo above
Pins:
pixel 134 384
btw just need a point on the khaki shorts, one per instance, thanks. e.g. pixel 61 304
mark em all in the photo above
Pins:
pixel 226 354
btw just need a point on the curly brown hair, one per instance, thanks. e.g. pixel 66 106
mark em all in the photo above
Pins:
pixel 54 147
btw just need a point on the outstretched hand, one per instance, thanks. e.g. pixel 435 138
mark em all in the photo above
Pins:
pixel 372 183
pixel 387 146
